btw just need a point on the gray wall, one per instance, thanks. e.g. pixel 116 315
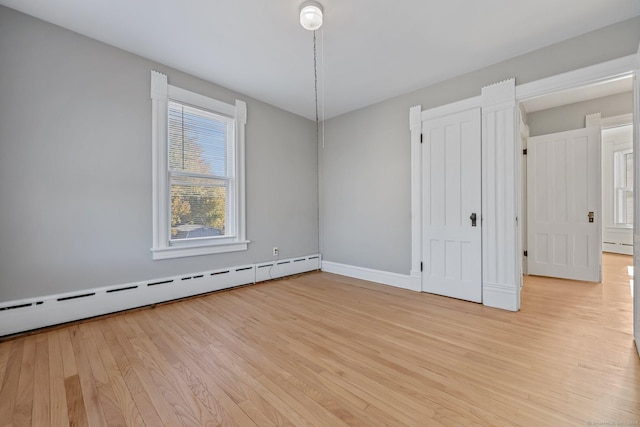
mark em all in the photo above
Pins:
pixel 75 167
pixel 365 165
pixel 572 116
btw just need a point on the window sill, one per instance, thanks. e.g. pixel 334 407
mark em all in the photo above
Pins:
pixel 187 251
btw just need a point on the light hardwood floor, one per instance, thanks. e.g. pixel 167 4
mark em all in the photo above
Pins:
pixel 325 350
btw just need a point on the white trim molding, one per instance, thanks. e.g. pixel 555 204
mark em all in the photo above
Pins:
pixel 593 120
pixel 33 313
pixel 452 108
pixel 501 266
pixel 383 277
pixel 196 250
pixel 616 121
pixel 159 103
pixel 620 67
pixel 415 126
pixel 636 201
pixel 496 94
pixel 500 296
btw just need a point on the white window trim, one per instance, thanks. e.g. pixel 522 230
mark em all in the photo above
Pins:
pixel 619 172
pixel 162 248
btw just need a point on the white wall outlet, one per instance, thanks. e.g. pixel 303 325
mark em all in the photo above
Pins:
pixel 275 251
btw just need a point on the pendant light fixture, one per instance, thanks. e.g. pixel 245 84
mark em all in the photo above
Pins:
pixel 311 19
pixel 311 15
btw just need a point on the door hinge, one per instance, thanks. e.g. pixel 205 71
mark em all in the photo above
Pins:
pixel 526 253
pixel 420 138
pixel 421 267
pixel 524 152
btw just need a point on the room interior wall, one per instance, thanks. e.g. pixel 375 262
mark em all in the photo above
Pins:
pixel 365 163
pixel 572 116
pixel 75 167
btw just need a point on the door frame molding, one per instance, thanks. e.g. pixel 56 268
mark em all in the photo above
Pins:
pixel 636 201
pixel 501 148
pixel 616 68
pixel 598 73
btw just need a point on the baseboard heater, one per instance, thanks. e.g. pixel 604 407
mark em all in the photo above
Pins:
pixel 33 313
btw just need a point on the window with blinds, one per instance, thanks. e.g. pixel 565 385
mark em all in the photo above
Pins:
pixel 200 168
pixel 198 172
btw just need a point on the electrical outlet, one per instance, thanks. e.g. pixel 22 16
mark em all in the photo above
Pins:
pixel 275 251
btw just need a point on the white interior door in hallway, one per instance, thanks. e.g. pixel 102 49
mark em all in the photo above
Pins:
pixel 451 185
pixel 564 205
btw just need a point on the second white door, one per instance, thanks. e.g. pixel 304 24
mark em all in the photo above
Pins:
pixel 451 182
pixel 564 205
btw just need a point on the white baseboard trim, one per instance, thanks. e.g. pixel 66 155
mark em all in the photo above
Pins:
pixel 33 313
pixel 499 296
pixel 384 277
pixel 617 248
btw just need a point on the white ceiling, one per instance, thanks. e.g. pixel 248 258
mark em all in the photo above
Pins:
pixel 373 49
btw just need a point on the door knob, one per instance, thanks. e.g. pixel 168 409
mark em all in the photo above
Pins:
pixel 473 219
pixel 590 216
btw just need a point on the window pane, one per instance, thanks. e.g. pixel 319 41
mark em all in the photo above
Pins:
pixel 623 187
pixel 198 207
pixel 629 170
pixel 197 140
pixel 629 207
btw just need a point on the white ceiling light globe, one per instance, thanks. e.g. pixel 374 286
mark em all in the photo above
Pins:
pixel 311 15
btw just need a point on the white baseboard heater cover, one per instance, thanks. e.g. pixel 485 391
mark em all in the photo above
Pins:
pixel 33 313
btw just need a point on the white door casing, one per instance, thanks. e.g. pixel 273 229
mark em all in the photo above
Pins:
pixel 501 151
pixel 451 186
pixel 415 126
pixel 522 199
pixel 636 202
pixel 564 192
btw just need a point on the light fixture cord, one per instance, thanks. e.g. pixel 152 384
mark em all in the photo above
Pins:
pixel 315 77
pixel 322 81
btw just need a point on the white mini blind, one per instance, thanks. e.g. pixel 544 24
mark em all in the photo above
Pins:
pixel 197 140
pixel 199 172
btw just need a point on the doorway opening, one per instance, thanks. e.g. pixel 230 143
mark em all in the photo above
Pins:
pixel 617 187
pixel 564 229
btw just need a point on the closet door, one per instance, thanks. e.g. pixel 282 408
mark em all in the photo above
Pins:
pixel 564 214
pixel 451 185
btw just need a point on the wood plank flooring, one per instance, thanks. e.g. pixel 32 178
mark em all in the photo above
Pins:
pixel 325 350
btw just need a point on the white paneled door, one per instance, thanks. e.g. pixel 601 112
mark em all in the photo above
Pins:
pixel 564 205
pixel 451 178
